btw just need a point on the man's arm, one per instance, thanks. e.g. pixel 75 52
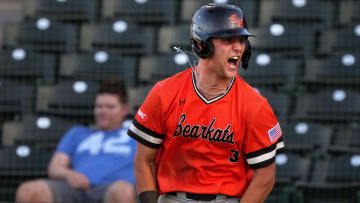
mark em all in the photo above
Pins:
pixel 261 185
pixel 59 168
pixel 144 166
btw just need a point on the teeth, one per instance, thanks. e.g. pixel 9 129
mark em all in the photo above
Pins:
pixel 235 57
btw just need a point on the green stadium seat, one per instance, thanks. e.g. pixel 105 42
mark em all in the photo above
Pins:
pixel 98 65
pixel 119 36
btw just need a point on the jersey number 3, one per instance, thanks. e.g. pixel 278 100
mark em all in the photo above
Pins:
pixel 235 155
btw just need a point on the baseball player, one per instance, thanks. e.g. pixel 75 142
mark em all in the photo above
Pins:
pixel 204 134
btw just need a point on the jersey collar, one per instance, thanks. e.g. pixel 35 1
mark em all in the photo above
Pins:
pixel 214 99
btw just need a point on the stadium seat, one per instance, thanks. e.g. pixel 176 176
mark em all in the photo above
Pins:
pixel 340 40
pixel 18 164
pixel 337 105
pixel 307 138
pixel 143 11
pixel 336 69
pixel 270 70
pixel 21 64
pixel 38 131
pixel 65 10
pixel 349 12
pixel 71 99
pixel 289 40
pixel 23 160
pixel 157 67
pixel 16 99
pixel 291 168
pixel 170 36
pixel 41 34
pixel 124 37
pixel 346 140
pixel 333 180
pixel 98 65
pixel 278 101
pixel 137 96
pixel 319 12
pixel 249 7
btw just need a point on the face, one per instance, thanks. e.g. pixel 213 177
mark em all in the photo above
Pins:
pixel 109 111
pixel 227 56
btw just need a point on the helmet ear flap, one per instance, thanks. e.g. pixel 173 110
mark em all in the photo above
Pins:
pixel 203 49
pixel 246 56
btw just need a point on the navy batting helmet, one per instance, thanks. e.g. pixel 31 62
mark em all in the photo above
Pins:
pixel 220 21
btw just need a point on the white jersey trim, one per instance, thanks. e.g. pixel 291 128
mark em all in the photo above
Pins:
pixel 145 136
pixel 266 156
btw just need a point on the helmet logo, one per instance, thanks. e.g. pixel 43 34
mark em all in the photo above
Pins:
pixel 234 19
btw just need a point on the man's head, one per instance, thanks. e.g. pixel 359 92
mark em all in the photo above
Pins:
pixel 218 21
pixel 111 106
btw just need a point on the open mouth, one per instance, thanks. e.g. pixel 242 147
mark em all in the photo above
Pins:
pixel 233 61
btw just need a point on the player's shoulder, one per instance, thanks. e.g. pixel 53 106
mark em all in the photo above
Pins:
pixel 175 80
pixel 249 92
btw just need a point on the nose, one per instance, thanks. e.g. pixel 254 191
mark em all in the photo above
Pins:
pixel 239 45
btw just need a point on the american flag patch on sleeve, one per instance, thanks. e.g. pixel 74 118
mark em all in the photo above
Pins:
pixel 275 132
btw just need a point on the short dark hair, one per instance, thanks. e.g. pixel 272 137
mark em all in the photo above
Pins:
pixel 116 87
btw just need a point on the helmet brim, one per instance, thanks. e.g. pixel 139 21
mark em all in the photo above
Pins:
pixel 231 33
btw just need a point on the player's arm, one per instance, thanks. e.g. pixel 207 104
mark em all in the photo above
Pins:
pixel 144 166
pixel 261 185
pixel 59 168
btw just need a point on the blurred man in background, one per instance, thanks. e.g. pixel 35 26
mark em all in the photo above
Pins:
pixel 91 164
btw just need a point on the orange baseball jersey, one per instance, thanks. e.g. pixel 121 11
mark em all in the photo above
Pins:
pixel 207 146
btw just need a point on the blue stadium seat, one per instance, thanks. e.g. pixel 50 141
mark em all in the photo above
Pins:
pixel 20 64
pixel 249 7
pixel 41 34
pixel 65 10
pixel 69 99
pixel 143 11
pixel 336 69
pixel 98 65
pixel 121 36
pixel 266 69
pixel 340 40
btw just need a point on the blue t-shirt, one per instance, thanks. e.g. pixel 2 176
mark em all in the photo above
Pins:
pixel 102 156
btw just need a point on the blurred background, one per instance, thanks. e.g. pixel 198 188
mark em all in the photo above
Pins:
pixel 304 60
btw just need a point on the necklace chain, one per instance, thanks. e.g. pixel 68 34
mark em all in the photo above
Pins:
pixel 210 87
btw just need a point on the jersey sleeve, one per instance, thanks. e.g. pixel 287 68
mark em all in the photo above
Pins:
pixel 147 127
pixel 67 143
pixel 263 138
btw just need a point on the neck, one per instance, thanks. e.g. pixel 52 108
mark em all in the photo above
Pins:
pixel 208 81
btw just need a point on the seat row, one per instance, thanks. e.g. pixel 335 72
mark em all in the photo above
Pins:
pixel 126 37
pixel 265 69
pixel 172 11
